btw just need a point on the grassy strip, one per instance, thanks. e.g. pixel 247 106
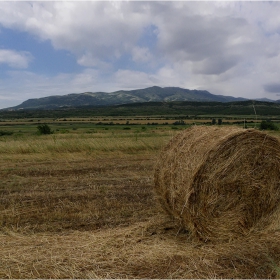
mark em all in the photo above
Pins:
pixel 87 143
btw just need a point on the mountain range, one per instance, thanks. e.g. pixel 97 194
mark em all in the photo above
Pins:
pixel 151 94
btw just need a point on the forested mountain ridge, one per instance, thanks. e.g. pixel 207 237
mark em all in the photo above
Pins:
pixel 256 109
pixel 151 94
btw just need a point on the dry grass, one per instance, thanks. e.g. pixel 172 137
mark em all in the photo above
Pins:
pixel 75 194
pixel 90 143
pixel 94 215
pixel 150 249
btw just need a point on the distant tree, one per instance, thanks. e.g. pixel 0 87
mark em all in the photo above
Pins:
pixel 44 129
pixel 180 122
pixel 213 121
pixel 268 125
pixel 220 121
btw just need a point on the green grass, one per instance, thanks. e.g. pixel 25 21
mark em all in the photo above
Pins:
pixel 84 136
pixel 72 142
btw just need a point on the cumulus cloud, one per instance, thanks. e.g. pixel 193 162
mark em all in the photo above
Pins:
pixel 89 60
pixel 229 48
pixel 98 31
pixel 15 59
pixel 106 29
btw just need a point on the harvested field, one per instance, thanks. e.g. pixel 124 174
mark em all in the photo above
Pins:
pixel 76 194
pixel 149 249
pixel 94 215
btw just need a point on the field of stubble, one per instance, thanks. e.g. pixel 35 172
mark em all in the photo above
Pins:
pixel 82 206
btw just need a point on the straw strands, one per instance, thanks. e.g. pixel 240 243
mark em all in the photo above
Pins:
pixel 220 183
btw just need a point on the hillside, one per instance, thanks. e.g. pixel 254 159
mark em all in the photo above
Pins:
pixel 175 108
pixel 151 94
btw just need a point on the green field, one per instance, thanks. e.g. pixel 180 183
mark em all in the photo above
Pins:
pixel 136 124
pixel 184 109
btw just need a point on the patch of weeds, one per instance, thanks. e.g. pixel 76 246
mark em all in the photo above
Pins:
pixel 91 131
pixel 64 131
pixel 275 267
pixel 3 132
pixel 102 189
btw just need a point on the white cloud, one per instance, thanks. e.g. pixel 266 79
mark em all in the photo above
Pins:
pixel 230 47
pixel 141 55
pixel 23 85
pixel 129 79
pixel 105 29
pixel 89 60
pixel 85 80
pixel 15 59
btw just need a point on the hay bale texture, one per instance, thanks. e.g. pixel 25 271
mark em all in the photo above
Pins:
pixel 220 182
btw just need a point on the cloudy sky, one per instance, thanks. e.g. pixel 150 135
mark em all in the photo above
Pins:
pixel 56 48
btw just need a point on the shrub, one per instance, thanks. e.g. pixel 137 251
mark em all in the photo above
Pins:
pixel 180 122
pixel 268 125
pixel 44 129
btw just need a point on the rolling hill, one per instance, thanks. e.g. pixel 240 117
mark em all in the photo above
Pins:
pixel 151 94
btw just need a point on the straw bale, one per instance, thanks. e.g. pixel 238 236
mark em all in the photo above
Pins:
pixel 220 182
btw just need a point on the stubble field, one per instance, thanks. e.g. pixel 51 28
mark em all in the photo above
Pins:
pixel 81 205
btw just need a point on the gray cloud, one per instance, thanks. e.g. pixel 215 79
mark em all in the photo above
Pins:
pixel 214 65
pixel 198 37
pixel 272 88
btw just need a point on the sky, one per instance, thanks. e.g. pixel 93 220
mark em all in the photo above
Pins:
pixel 60 47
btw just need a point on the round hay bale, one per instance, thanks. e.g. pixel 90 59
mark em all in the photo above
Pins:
pixel 220 182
